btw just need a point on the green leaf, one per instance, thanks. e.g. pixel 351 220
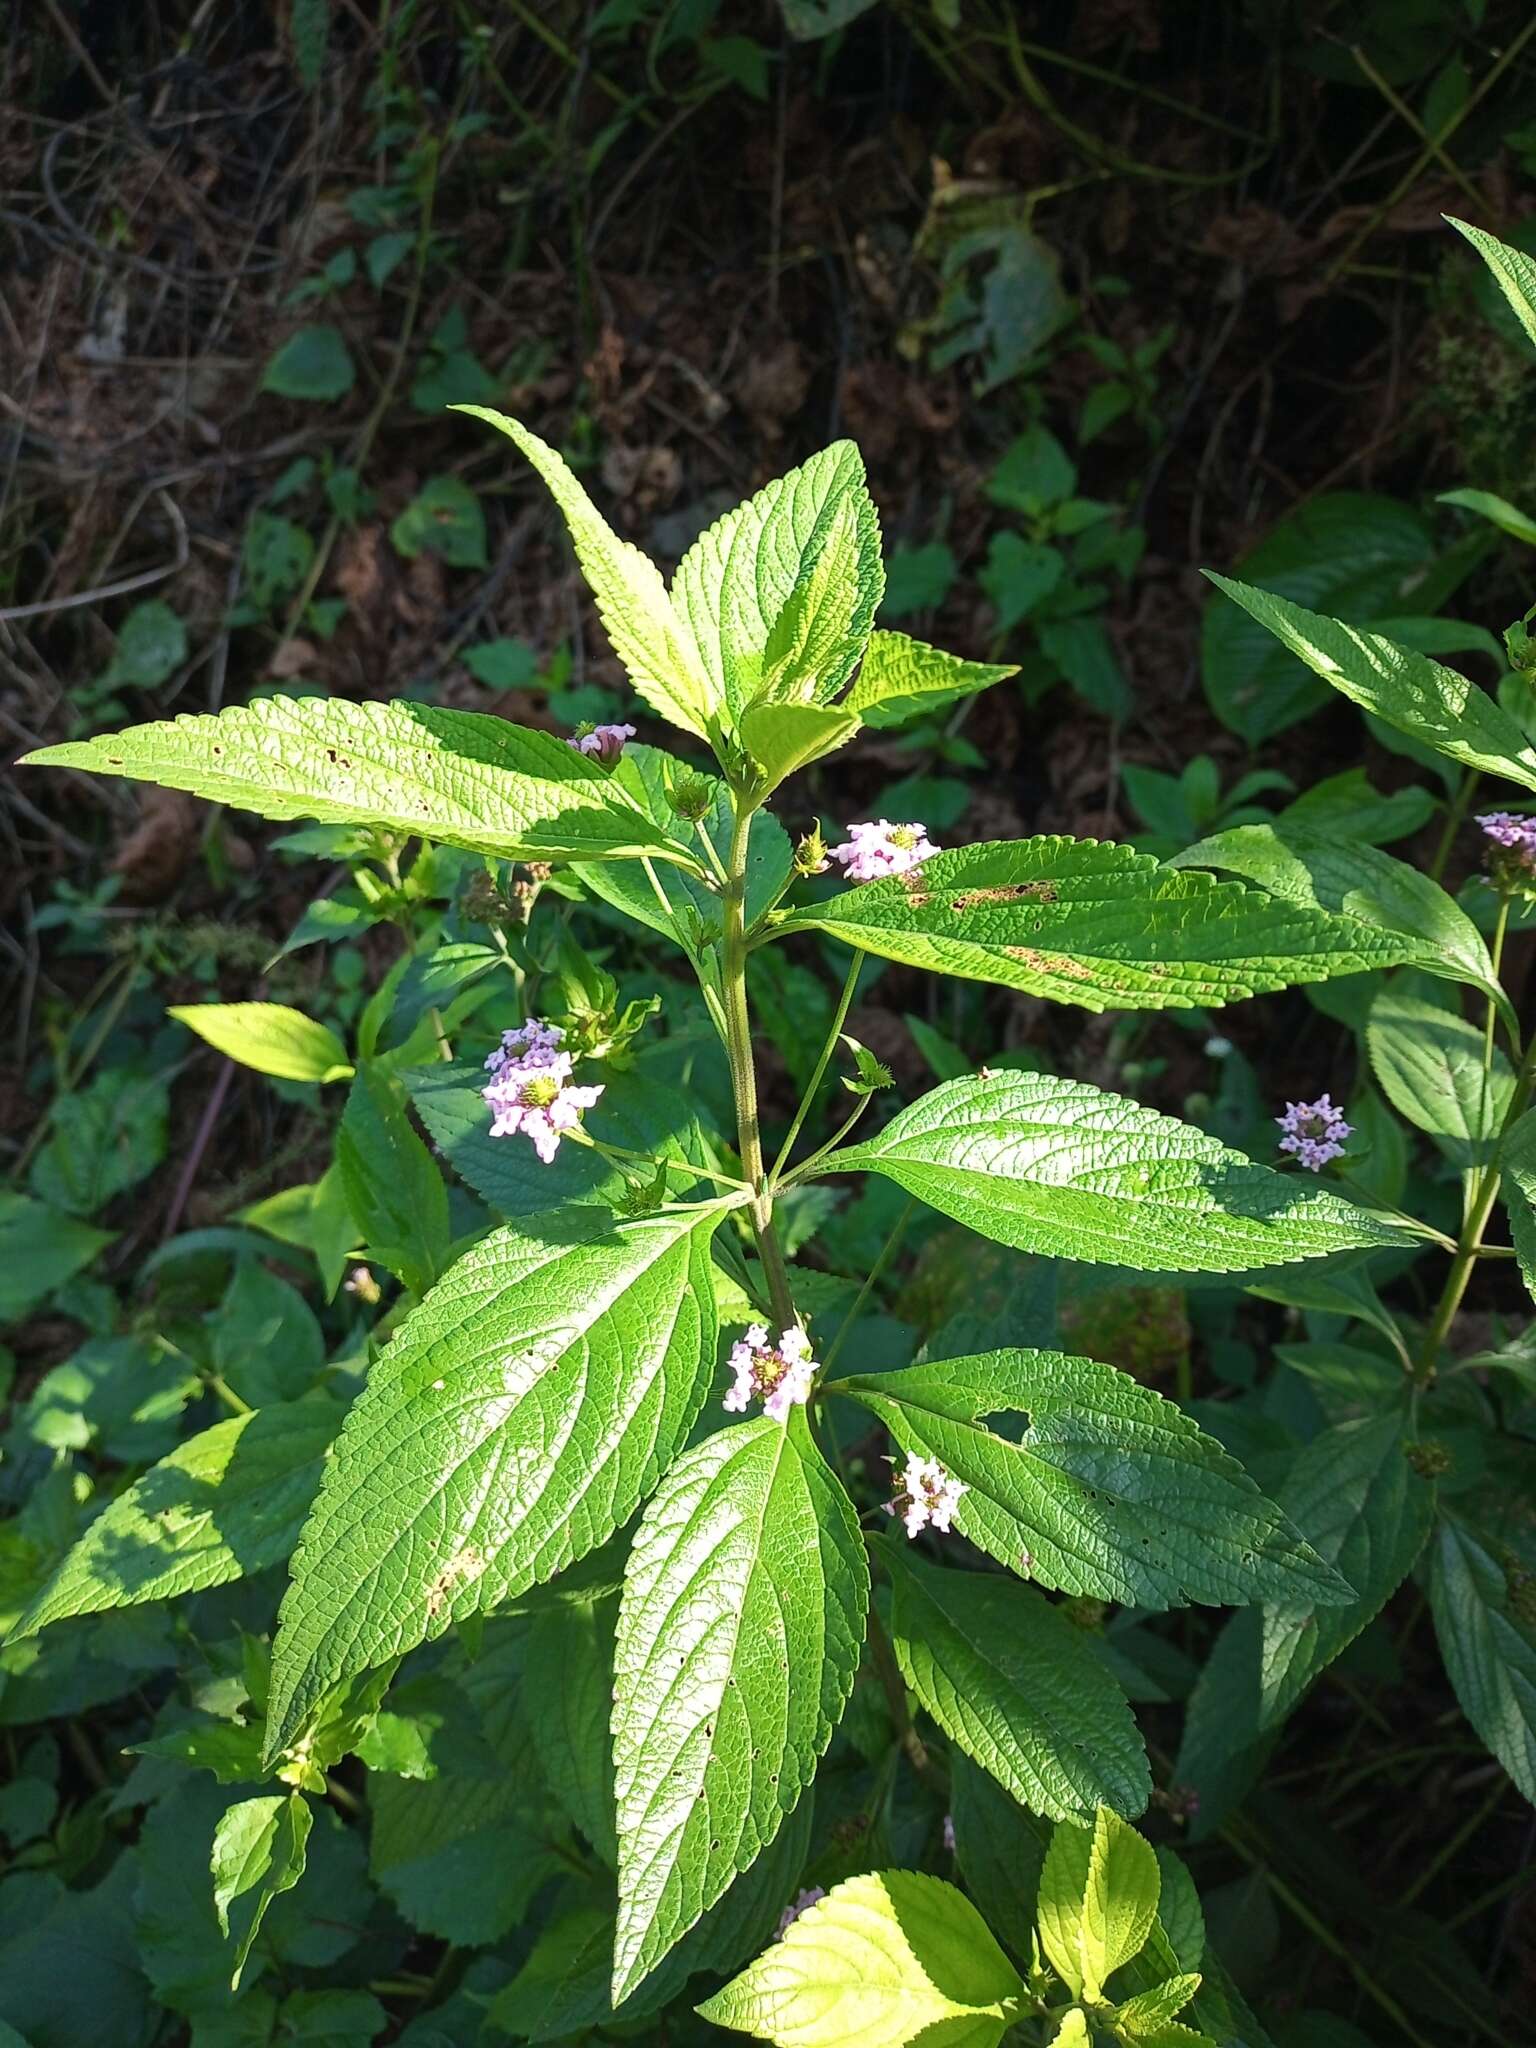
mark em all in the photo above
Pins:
pixel 223 1505
pixel 502 664
pixel 901 679
pixel 1098 1901
pixel 570 1729
pixel 1073 2031
pixel 1490 506
pixel 1352 554
pixel 39 1250
pixel 1019 575
pixel 1429 1062
pixel 258 1852
pixel 1333 873
pixel 738 1641
pixel 814 623
pixel 269 1037
pixel 1513 271
pixel 634 1110
pixel 1175 1520
pixel 653 642
pixel 518 1417
pixel 1103 926
pixel 782 738
pixel 1430 703
pixel 1368 1513
pixel 1058 1167
pixel 646 774
pixel 1517 1156
pixel 102 1138
pixel 1346 805
pixel 1485 1620
pixel 230 1749
pixel 1143 2017
pixel 737 587
pixel 458 777
pixel 151 645
pixel 312 364
pixel 393 1189
pixel 916 580
pixel 1018 1687
pixel 443 519
pixel 883 1960
pixel 462 1854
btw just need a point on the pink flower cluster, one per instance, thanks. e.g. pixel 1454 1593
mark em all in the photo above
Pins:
pixel 602 743
pixel 779 1375
pixel 530 1089
pixel 1314 1132
pixel 1505 829
pixel 927 1495
pixel 872 851
pixel 1510 851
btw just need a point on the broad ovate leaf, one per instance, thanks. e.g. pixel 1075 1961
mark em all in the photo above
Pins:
pixel 885 1960
pixel 270 1037
pixel 1061 1168
pixel 1430 703
pixel 1485 1620
pixel 738 1641
pixel 517 1418
pixel 1099 925
pixel 656 646
pixel 1098 1901
pixel 222 1505
pixel 1018 1687
pixel 1436 1070
pixel 782 738
pixel 741 586
pixel 901 679
pixel 259 1852
pixel 1367 1512
pixel 1101 1488
pixel 458 777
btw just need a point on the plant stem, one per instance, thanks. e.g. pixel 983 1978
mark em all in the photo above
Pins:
pixel 1482 1196
pixel 845 1003
pixel 738 1047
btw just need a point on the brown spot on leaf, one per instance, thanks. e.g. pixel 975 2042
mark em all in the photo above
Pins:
pixel 1050 963
pixel 1005 892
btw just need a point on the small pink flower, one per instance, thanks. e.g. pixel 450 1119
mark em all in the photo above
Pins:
pixel 533 1044
pixel 949 1833
pixel 777 1375
pixel 1510 852
pixel 792 1913
pixel 872 851
pixel 602 743
pixel 536 1098
pixel 926 1494
pixel 1314 1132
pixel 1506 829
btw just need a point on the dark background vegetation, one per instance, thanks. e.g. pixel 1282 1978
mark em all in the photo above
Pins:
pixel 251 251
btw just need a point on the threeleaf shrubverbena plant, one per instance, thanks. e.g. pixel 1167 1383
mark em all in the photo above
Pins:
pixel 556 1414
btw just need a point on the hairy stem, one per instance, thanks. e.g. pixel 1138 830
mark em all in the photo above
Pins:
pixel 738 1047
